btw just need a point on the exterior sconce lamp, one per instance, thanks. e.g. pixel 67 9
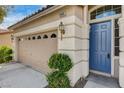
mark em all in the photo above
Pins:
pixel 61 29
pixel 12 37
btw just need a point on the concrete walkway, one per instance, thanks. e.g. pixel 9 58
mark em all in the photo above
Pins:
pixel 15 75
pixel 97 81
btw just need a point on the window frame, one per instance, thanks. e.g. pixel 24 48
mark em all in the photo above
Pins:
pixel 39 37
pixel 103 6
pixel 45 37
pixel 33 37
pixel 53 35
pixel 116 47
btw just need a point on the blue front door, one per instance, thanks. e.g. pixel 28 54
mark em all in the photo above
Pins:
pixel 100 47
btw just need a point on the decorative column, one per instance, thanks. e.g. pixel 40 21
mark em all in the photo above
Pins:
pixel 121 57
pixel 75 43
pixel 71 44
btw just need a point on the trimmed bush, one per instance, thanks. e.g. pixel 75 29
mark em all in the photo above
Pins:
pixel 60 63
pixel 5 54
pixel 58 79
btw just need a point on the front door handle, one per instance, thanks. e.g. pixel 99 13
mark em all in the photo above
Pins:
pixel 108 55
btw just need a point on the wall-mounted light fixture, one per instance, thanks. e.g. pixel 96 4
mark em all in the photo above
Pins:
pixel 12 37
pixel 61 29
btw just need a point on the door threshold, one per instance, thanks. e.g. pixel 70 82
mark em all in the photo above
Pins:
pixel 100 73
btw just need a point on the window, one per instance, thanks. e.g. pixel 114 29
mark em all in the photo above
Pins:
pixel 38 37
pixel 116 38
pixel 53 36
pixel 105 11
pixel 29 38
pixel 33 37
pixel 45 36
pixel 19 39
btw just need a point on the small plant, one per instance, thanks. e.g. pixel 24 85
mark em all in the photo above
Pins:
pixel 5 54
pixel 58 79
pixel 61 64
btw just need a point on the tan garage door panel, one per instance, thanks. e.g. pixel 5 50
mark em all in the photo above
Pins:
pixel 36 53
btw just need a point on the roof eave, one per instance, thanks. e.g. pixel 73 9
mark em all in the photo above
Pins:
pixel 45 12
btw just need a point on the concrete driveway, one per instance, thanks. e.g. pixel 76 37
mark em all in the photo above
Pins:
pixel 16 75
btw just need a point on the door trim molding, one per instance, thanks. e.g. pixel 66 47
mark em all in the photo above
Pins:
pixel 112 46
pixel 111 18
pixel 111 51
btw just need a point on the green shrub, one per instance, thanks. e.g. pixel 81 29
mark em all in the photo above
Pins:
pixel 5 54
pixel 61 62
pixel 8 58
pixel 58 79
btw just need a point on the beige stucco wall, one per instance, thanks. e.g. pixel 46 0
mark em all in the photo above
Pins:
pixel 5 40
pixel 75 41
pixel 69 10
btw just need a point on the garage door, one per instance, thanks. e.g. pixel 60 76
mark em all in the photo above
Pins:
pixel 35 50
